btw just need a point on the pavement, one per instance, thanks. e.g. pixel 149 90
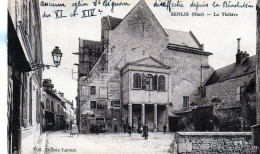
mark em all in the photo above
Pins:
pixel 60 142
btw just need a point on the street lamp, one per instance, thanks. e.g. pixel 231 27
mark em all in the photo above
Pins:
pixel 56 55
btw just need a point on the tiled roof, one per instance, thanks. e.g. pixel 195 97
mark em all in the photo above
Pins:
pixel 233 70
pixel 182 38
pixel 94 45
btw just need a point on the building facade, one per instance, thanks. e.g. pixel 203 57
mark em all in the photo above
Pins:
pixel 24 79
pixel 58 110
pixel 227 99
pixel 138 73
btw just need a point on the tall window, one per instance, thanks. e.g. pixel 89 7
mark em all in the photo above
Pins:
pixel 137 80
pixel 185 101
pixel 100 105
pixel 161 83
pixel 48 104
pixel 92 90
pixel 149 82
pixel 58 108
pixel 93 104
pixel 52 106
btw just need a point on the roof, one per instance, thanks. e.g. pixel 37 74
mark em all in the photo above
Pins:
pixel 113 22
pixel 183 110
pixel 233 70
pixel 182 38
pixel 94 45
pixel 175 36
pixel 149 61
pixel 53 94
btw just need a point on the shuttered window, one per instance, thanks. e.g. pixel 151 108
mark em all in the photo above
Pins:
pixel 185 101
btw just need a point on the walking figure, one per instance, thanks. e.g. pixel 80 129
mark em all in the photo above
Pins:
pixel 129 130
pixel 74 130
pixel 115 129
pixel 97 129
pixel 164 128
pixel 67 126
pixel 141 130
pixel 125 128
pixel 145 132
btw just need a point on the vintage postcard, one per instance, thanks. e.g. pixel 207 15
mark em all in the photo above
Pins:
pixel 132 76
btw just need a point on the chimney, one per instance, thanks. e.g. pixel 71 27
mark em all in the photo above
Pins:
pixel 62 94
pixel 241 56
pixel 47 84
pixel 238 45
pixel 202 47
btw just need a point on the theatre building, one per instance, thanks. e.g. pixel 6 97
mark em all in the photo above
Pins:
pixel 138 73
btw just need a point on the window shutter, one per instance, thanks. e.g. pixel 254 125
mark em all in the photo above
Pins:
pixel 155 82
pixel 143 81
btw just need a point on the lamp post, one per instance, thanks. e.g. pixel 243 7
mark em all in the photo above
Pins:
pixel 56 55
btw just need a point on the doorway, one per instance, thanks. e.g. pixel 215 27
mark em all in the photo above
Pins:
pixel 173 124
pixel 15 122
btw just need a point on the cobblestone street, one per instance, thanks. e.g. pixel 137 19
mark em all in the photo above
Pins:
pixel 107 143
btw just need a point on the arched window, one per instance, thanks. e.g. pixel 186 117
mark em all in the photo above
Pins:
pixel 137 80
pixel 161 83
pixel 149 82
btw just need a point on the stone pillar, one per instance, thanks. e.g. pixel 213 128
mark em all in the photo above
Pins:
pixel 155 118
pixel 143 114
pixel 167 116
pixel 130 114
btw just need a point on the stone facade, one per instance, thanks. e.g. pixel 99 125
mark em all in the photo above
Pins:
pixel 213 142
pixel 138 43
pixel 230 92
pixel 57 109
pixel 24 78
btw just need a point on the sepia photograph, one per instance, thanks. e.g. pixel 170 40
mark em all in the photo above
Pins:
pixel 133 76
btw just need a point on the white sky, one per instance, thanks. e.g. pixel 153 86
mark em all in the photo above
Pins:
pixel 218 34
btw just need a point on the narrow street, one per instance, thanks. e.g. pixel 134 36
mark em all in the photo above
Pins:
pixel 107 143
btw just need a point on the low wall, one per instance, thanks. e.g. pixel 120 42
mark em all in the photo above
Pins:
pixel 213 142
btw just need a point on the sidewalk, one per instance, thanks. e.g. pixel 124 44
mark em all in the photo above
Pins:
pixel 40 147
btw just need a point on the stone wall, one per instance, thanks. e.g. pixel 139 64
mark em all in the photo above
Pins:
pixel 228 91
pixel 213 142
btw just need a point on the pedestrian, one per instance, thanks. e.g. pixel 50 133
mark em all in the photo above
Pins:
pixel 97 129
pixel 67 126
pixel 145 132
pixel 129 130
pixel 115 128
pixel 164 128
pixel 141 130
pixel 125 128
